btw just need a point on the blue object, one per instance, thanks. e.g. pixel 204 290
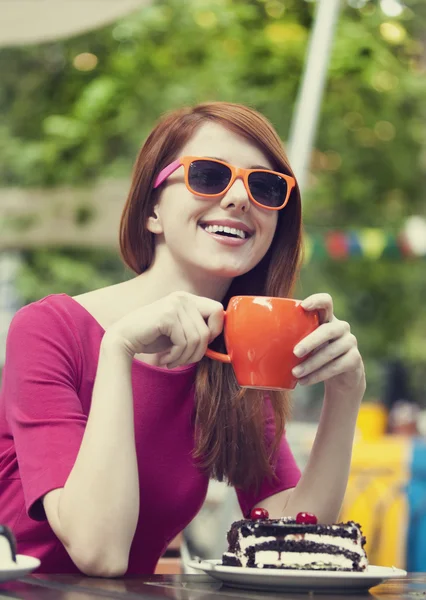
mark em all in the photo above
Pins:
pixel 416 496
pixel 354 245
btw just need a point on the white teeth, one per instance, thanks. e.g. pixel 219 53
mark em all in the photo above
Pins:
pixel 232 230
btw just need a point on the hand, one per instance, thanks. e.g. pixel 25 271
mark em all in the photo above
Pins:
pixel 335 357
pixel 180 326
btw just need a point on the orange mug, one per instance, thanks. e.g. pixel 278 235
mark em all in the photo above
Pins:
pixel 261 333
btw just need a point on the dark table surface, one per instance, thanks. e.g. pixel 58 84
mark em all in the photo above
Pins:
pixel 185 587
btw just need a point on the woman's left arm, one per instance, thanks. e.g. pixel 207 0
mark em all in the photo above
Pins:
pixel 333 357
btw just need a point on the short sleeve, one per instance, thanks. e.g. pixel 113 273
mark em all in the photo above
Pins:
pixel 43 410
pixel 286 471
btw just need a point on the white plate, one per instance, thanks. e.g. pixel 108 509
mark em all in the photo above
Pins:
pixel 23 566
pixel 284 579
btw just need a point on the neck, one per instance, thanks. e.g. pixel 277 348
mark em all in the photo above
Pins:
pixel 164 277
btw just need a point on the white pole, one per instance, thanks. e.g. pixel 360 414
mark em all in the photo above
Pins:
pixel 10 262
pixel 308 103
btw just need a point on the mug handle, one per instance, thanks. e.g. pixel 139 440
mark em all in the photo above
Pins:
pixel 225 358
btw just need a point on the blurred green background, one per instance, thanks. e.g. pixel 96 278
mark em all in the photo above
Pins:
pixel 76 111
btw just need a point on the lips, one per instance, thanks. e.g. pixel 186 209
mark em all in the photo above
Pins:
pixel 225 239
pixel 227 231
pixel 227 228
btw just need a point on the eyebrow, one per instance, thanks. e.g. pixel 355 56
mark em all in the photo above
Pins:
pixel 252 167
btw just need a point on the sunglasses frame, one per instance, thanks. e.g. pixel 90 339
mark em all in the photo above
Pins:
pixel 236 172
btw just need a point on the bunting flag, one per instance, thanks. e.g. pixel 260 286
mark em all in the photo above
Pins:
pixel 370 243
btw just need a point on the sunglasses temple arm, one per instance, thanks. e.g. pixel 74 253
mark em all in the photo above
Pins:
pixel 166 172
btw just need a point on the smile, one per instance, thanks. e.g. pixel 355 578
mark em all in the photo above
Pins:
pixel 225 235
pixel 226 231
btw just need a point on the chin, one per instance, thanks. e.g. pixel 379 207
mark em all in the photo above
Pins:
pixel 227 271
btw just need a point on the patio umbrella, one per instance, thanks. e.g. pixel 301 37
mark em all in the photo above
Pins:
pixel 37 21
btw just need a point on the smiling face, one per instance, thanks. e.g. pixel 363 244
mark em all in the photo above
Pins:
pixel 220 237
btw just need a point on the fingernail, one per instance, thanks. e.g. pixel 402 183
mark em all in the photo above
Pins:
pixel 297 371
pixel 299 351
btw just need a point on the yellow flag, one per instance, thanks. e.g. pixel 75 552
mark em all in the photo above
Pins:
pixel 307 248
pixel 373 242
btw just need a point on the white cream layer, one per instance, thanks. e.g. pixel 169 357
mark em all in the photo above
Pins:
pixel 251 540
pixel 300 559
pixel 297 560
pixel 340 542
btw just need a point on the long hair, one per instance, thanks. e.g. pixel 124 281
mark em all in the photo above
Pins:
pixel 229 421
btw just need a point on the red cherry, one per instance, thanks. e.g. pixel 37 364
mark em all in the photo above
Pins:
pixel 306 518
pixel 259 513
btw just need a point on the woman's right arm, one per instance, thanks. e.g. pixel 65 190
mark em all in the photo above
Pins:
pixel 95 514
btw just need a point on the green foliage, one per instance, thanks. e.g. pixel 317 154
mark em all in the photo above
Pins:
pixel 69 271
pixel 68 126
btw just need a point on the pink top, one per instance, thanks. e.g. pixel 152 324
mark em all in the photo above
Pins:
pixel 51 360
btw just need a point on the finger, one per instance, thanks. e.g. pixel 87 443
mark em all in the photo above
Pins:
pixel 185 348
pixel 215 324
pixel 178 341
pixel 322 335
pixel 340 365
pixel 206 306
pixel 323 303
pixel 202 333
pixel 325 355
pixel 211 310
pixel 191 333
pixel 161 344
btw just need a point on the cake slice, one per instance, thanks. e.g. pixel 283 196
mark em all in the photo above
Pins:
pixel 299 543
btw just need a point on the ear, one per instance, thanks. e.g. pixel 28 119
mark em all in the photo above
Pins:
pixel 154 222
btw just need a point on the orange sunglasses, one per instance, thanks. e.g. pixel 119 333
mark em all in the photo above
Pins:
pixel 211 178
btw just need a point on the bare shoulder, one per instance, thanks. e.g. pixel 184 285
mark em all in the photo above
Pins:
pixel 96 296
pixel 103 304
pixel 109 304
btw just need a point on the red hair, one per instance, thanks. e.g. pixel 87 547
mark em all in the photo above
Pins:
pixel 229 422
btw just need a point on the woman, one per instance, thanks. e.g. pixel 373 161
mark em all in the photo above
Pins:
pixel 112 421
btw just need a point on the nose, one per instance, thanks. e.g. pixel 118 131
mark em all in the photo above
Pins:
pixel 236 197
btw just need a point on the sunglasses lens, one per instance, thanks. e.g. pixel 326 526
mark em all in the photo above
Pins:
pixel 267 188
pixel 208 177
